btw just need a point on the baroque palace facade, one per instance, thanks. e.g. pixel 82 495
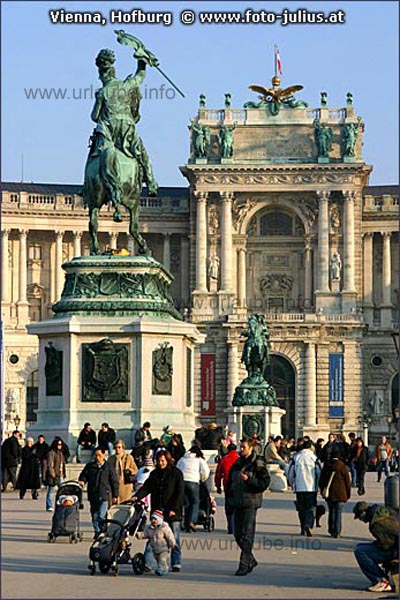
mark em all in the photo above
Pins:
pixel 273 222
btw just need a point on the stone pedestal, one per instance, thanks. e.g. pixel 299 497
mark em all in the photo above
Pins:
pixel 245 421
pixel 123 355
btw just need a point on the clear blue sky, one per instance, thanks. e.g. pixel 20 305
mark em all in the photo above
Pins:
pixel 359 56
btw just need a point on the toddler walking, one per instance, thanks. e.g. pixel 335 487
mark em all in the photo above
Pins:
pixel 161 540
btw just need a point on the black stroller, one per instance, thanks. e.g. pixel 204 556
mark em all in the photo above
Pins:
pixel 206 508
pixel 111 546
pixel 66 516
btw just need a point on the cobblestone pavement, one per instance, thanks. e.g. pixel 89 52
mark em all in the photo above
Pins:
pixel 290 566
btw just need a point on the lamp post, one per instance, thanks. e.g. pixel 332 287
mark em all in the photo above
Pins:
pixel 17 421
pixel 364 421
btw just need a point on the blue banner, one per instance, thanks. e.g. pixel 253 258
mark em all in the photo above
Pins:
pixel 336 386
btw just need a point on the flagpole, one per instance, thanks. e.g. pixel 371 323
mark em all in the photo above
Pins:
pixel 275 65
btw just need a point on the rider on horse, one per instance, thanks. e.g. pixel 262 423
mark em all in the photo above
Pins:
pixel 116 112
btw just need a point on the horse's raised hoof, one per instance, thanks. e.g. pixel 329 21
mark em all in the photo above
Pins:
pixel 117 217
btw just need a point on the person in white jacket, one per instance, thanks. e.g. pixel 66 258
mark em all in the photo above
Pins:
pixel 195 470
pixel 303 474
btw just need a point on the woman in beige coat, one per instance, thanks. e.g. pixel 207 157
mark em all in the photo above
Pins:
pixel 123 462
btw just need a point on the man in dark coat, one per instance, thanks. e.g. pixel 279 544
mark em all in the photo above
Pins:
pixel 143 434
pixel 10 456
pixel 41 449
pixel 248 479
pixel 166 486
pixel 86 441
pixel 371 556
pixel 106 438
pixel 102 485
pixel 327 450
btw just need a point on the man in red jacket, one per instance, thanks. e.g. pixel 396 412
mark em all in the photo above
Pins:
pixel 221 476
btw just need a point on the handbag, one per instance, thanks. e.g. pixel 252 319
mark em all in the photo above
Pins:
pixel 128 477
pixel 325 491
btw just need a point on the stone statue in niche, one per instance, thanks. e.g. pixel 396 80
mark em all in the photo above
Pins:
pixel 213 267
pixel 336 266
pixel 53 370
pixel 213 219
pixel 376 403
pixel 162 370
pixel 335 217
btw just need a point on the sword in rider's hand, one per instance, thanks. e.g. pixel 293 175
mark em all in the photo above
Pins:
pixel 130 40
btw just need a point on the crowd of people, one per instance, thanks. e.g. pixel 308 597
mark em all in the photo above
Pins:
pixel 169 480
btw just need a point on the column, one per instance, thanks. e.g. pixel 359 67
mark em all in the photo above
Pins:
pixel 59 272
pixel 348 242
pixel 5 284
pixel 241 284
pixel 201 242
pixel 323 241
pixel 311 386
pixel 368 275
pixel 113 240
pixel 78 243
pixel 22 299
pixel 167 251
pixel 307 274
pixel 233 367
pixel 184 269
pixel 386 270
pixel 226 241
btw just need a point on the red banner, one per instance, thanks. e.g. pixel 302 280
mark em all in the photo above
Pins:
pixel 207 385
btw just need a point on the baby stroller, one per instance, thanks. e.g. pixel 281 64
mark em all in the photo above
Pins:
pixel 66 516
pixel 111 546
pixel 207 508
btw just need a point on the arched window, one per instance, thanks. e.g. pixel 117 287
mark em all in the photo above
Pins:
pixel 32 396
pixel 276 223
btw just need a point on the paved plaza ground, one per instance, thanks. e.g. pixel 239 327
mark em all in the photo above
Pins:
pixel 290 566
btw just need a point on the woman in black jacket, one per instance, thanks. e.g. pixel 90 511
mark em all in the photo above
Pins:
pixel 29 475
pixel 166 486
pixel 360 459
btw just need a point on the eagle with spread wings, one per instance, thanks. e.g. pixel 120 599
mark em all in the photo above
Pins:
pixel 275 94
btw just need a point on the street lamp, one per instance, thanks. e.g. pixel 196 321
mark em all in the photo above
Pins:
pixel 17 421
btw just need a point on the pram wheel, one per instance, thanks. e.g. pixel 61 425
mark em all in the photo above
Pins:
pixel 116 570
pixel 104 567
pixel 51 538
pixel 73 538
pixel 92 569
pixel 138 563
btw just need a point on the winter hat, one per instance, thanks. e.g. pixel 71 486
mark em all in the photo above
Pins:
pixel 158 516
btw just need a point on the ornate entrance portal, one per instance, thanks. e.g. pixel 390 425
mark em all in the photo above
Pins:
pixel 280 374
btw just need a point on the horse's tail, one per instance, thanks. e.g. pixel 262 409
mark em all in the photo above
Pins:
pixel 110 174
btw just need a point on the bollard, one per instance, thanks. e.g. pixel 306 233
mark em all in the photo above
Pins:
pixel 392 491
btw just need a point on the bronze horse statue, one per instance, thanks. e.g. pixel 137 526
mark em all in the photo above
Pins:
pixel 118 162
pixel 100 171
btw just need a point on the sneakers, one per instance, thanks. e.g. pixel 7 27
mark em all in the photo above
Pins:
pixel 381 586
pixel 147 569
pixel 50 509
pixel 161 572
pixel 176 568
